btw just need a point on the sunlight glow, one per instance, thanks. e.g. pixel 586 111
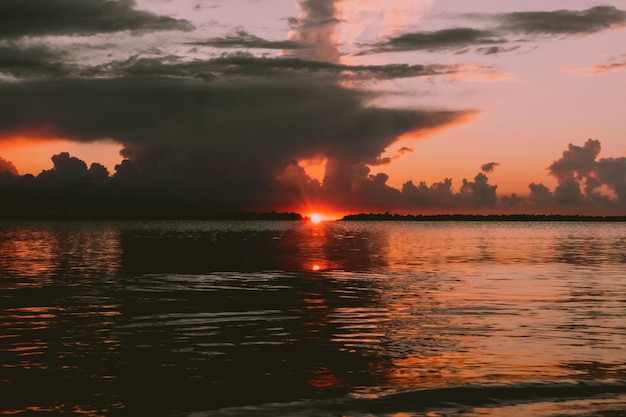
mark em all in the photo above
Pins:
pixel 31 154
pixel 316 217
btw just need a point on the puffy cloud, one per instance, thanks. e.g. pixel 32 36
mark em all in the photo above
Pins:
pixel 7 169
pixel 78 17
pixel 540 194
pixel 98 172
pixel 612 173
pixel 577 161
pixel 479 192
pixel 581 174
pixel 438 195
pixel 148 188
pixel 472 195
pixel 66 168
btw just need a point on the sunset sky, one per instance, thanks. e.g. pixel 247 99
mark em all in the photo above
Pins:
pixel 287 104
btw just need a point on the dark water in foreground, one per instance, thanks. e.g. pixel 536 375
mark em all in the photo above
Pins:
pixel 290 318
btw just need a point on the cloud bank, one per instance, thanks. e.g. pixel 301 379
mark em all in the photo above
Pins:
pixel 586 185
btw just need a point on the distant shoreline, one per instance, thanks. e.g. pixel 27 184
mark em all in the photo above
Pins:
pixel 156 215
pixel 171 214
pixel 483 217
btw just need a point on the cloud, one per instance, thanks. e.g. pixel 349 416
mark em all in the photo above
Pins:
pixel 228 132
pixel 472 195
pixel 143 189
pixel 7 169
pixel 489 167
pixel 581 174
pixel 454 38
pixel 479 192
pixel 20 18
pixel 493 50
pixel 65 168
pixel 493 40
pixel 243 39
pixel 315 26
pixel 33 61
pixel 540 194
pixel 247 65
pixel 613 64
pixel 563 22
pixel 437 196
pixel 230 137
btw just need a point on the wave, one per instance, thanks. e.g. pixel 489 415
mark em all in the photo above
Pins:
pixel 607 397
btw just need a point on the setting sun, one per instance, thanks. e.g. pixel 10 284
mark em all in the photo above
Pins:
pixel 316 217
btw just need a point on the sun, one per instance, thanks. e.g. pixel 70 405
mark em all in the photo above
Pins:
pixel 316 217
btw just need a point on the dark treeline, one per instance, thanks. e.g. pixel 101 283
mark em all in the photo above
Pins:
pixel 483 218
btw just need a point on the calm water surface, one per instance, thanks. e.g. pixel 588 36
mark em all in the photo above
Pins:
pixel 291 318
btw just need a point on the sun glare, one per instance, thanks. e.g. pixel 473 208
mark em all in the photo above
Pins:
pixel 316 217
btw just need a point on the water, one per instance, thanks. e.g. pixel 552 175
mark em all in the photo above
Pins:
pixel 297 319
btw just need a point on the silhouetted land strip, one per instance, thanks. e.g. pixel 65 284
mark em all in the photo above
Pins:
pixel 144 213
pixel 484 217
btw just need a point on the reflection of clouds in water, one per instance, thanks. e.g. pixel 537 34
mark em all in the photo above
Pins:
pixel 236 306
pixel 587 249
pixel 59 250
pixel 289 247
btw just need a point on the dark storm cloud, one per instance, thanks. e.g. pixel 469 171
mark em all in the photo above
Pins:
pixel 78 17
pixel 230 129
pixel 243 39
pixel 563 22
pixel 234 137
pixel 32 61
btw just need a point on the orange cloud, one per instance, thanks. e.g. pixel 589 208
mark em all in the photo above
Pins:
pixel 461 118
pixel 613 64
